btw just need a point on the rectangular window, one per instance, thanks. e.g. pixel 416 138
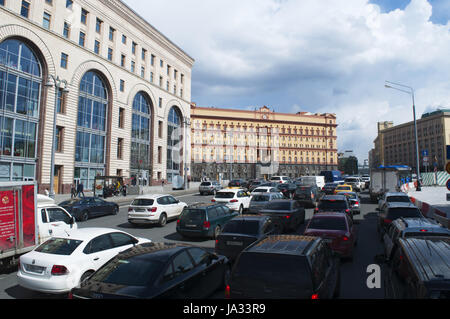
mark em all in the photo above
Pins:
pixel 111 33
pixel 25 9
pixel 119 148
pixel 161 63
pixel 160 81
pixel 160 128
pixel 49 2
pixel 84 15
pixel 174 89
pixel 121 117
pixel 122 60
pixel 167 86
pixel 124 39
pixel 64 60
pixel 175 74
pixel 46 20
pixel 182 78
pixel 110 54
pixel 59 133
pixel 152 60
pixel 61 103
pixel 168 70
pixel 133 66
pixel 160 102
pixel 122 85
pixel 151 77
pixel 69 4
pixel 159 154
pixel 143 54
pixel 97 47
pixel 142 72
pixel 181 92
pixel 98 25
pixel 66 30
pixel 133 48
pixel 82 39
pixel 2 2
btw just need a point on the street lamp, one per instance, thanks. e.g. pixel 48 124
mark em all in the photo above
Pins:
pixel 59 85
pixel 187 123
pixel 410 91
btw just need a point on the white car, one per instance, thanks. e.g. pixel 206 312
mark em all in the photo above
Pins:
pixel 154 209
pixel 62 262
pixel 280 179
pixel 234 199
pixel 265 189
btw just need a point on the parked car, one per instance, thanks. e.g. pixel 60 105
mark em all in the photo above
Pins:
pixel 307 195
pixel 334 203
pixel 392 211
pixel 286 213
pixel 87 207
pixel 154 209
pixel 62 262
pixel 259 201
pixel 343 188
pixel 210 187
pixel 157 270
pixel 280 179
pixel 265 189
pixel 411 227
pixel 355 182
pixel 354 201
pixel 242 231
pixel 285 267
pixel 420 269
pixel 287 189
pixel 234 199
pixel 393 197
pixel 329 188
pixel 238 184
pixel 204 220
pixel 336 229
pixel 256 183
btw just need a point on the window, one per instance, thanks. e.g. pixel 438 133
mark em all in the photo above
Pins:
pixel 46 20
pixel 142 72
pixel 152 60
pixel 49 2
pixel 122 60
pixel 182 78
pixel 133 47
pixel 97 47
pixel 98 25
pixel 151 77
pixel 160 129
pixel 160 102
pixel 59 139
pixel 175 74
pixel 64 60
pixel 25 9
pixel 168 70
pixel 2 2
pixel 111 33
pixel 120 148
pixel 167 86
pixel 82 39
pixel 61 103
pixel 160 81
pixel 98 244
pixel 182 263
pixel 69 4
pixel 122 85
pixel 124 39
pixel 199 255
pixel 120 239
pixel 173 143
pixel 66 30
pixel 133 66
pixel 110 54
pixel 159 154
pixel 121 117
pixel 161 63
pixel 143 54
pixel 84 14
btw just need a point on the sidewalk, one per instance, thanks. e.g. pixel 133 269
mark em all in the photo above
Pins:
pixel 432 201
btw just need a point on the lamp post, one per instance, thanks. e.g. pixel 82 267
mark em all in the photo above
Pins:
pixel 187 123
pixel 410 91
pixel 58 84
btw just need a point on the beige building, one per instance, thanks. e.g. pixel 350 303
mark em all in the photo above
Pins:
pixel 253 144
pixel 123 95
pixel 395 145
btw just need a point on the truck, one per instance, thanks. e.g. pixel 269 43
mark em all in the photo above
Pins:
pixel 388 179
pixel 332 176
pixel 27 219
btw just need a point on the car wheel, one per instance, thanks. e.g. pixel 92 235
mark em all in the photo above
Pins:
pixel 84 216
pixel 162 220
pixel 241 209
pixel 216 232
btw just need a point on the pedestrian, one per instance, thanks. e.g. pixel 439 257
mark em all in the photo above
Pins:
pixel 162 183
pixel 80 189
pixel 73 192
pixel 124 190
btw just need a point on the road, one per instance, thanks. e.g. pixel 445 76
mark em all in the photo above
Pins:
pixel 353 273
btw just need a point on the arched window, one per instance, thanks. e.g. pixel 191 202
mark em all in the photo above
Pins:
pixel 91 129
pixel 20 91
pixel 174 134
pixel 140 139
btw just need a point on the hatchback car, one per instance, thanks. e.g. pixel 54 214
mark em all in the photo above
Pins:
pixel 204 220
pixel 264 189
pixel 157 270
pixel 234 199
pixel 392 211
pixel 241 232
pixel 154 209
pixel 84 208
pixel 259 201
pixel 285 267
pixel 209 187
pixel 336 229
pixel 287 214
pixel 307 195
pixel 334 203
pixel 62 262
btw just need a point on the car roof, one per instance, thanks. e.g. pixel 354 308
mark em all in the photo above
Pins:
pixel 400 205
pixel 396 194
pixel 151 196
pixel 284 244
pixel 163 250
pixel 412 224
pixel 329 215
pixel 334 197
pixel 430 258
pixel 88 232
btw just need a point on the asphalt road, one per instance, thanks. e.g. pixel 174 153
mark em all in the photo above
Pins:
pixel 353 273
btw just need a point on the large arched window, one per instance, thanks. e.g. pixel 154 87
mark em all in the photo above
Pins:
pixel 140 139
pixel 91 129
pixel 20 91
pixel 174 134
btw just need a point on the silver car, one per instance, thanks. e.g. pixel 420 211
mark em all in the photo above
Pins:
pixel 210 187
pixel 260 200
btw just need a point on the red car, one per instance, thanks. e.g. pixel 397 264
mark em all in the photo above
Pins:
pixel 337 229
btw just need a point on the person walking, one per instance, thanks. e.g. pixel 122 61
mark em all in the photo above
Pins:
pixel 80 189
pixel 73 191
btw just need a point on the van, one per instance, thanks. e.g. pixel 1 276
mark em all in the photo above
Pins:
pixel 318 181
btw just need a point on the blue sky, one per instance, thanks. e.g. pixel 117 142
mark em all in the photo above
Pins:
pixel 315 56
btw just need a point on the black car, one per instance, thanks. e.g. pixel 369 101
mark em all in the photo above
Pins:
pixel 285 267
pixel 329 188
pixel 392 211
pixel 420 269
pixel 256 183
pixel 84 208
pixel 287 189
pixel 307 195
pixel 334 203
pixel 287 214
pixel 157 270
pixel 240 183
pixel 242 231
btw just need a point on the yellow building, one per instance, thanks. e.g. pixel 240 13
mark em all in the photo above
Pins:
pixel 259 143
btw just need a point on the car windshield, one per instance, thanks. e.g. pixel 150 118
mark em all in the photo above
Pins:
pixel 142 202
pixel 133 271
pixel 193 214
pixel 205 184
pixel 59 246
pixel 351 196
pixel 398 199
pixel 332 204
pixel 249 227
pixel 260 190
pixel 225 195
pixel 275 178
pixel 327 223
pixel 260 198
pixel 235 183
pixel 279 205
pixel 395 213
pixel 303 189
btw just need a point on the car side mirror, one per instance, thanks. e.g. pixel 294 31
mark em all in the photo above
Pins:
pixel 71 221
pixel 135 241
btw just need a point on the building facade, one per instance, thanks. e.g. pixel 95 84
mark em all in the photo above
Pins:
pixel 228 143
pixel 121 91
pixel 395 145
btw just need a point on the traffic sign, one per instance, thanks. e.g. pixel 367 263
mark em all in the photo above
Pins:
pixel 425 159
pixel 448 184
pixel 425 153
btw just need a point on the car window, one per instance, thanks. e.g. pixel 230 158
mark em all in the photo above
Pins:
pixel 121 239
pixel 318 267
pixel 142 202
pixel 199 255
pixel 250 227
pixel 44 216
pixel 331 223
pixel 196 215
pixel 333 204
pixel 59 246
pixel 401 199
pixel 205 184
pixel 225 195
pixel 98 244
pixel 260 198
pixel 57 215
pixel 163 200
pixel 212 213
pixel 182 263
pixel 279 205
pixel 98 201
pixel 169 274
pixel 403 212
pixel 171 200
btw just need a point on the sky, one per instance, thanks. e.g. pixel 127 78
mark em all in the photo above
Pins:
pixel 315 56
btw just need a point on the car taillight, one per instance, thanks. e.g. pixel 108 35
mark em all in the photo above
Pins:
pixel 287 216
pixel 345 238
pixel 152 210
pixel 387 221
pixel 315 296
pixel 227 292
pixel 316 210
pixel 178 222
pixel 423 230
pixel 233 201
pixel 206 225
pixel 347 210
pixel 213 200
pixel 356 203
pixel 70 295
pixel 58 270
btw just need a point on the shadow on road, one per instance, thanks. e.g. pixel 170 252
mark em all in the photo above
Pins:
pixel 18 292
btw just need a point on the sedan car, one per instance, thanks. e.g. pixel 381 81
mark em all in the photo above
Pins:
pixel 288 214
pixel 329 188
pixel 355 203
pixel 62 262
pixel 84 208
pixel 157 270
pixel 334 203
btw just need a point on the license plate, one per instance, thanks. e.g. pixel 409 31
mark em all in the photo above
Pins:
pixel 328 240
pixel 140 210
pixel 191 226
pixel 234 243
pixel 34 268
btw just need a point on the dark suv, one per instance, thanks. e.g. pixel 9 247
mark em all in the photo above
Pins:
pixel 392 211
pixel 420 269
pixel 334 203
pixel 285 267
pixel 242 231
pixel 203 220
pixel 307 195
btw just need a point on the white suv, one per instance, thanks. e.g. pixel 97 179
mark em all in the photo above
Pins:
pixel 280 179
pixel 154 209
pixel 234 199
